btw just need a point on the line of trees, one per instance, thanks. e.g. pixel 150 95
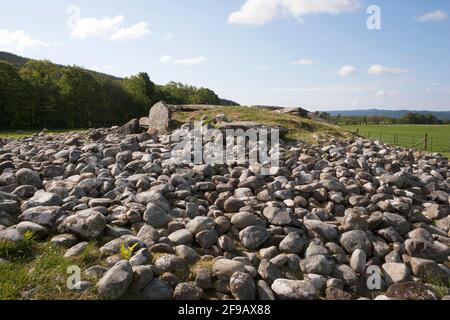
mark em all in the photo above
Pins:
pixel 40 94
pixel 409 118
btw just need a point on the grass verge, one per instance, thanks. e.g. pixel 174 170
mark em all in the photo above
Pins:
pixel 38 271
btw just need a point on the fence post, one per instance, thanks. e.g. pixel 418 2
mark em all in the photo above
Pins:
pixel 431 144
pixel 426 142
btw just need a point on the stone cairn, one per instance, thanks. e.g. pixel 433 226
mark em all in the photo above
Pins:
pixel 349 219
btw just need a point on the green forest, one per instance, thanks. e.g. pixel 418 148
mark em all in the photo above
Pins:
pixel 40 94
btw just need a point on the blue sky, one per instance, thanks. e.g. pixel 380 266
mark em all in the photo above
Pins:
pixel 318 54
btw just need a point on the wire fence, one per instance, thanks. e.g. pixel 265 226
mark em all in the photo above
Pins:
pixel 427 142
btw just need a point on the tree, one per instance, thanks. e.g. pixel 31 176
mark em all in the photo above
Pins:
pixel 16 98
pixel 82 96
pixel 364 120
pixel 36 94
pixel 141 87
pixel 43 76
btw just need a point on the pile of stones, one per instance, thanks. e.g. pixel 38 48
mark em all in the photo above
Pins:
pixel 312 229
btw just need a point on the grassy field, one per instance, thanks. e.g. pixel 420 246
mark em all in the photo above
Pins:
pixel 298 127
pixel 39 271
pixel 23 134
pixel 438 136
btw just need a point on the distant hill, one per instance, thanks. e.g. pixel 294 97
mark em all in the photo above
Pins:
pixel 443 115
pixel 38 94
pixel 12 58
pixel 20 61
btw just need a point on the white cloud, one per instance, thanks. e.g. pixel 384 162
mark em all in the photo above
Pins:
pixel 434 16
pixel 136 31
pixel 165 58
pixel 170 36
pixel 190 61
pixel 184 61
pixel 92 27
pixel 347 71
pixel 18 41
pixel 259 12
pixel 385 93
pixel 264 68
pixel 378 69
pixel 304 62
pixel 107 27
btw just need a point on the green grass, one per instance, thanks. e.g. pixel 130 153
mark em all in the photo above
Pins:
pixel 39 271
pixel 440 287
pixel 24 134
pixel 408 135
pixel 298 128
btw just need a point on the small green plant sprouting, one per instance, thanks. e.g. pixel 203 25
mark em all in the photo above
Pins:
pixel 126 252
pixel 29 236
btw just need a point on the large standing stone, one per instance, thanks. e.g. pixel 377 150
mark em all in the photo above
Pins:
pixel 160 117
